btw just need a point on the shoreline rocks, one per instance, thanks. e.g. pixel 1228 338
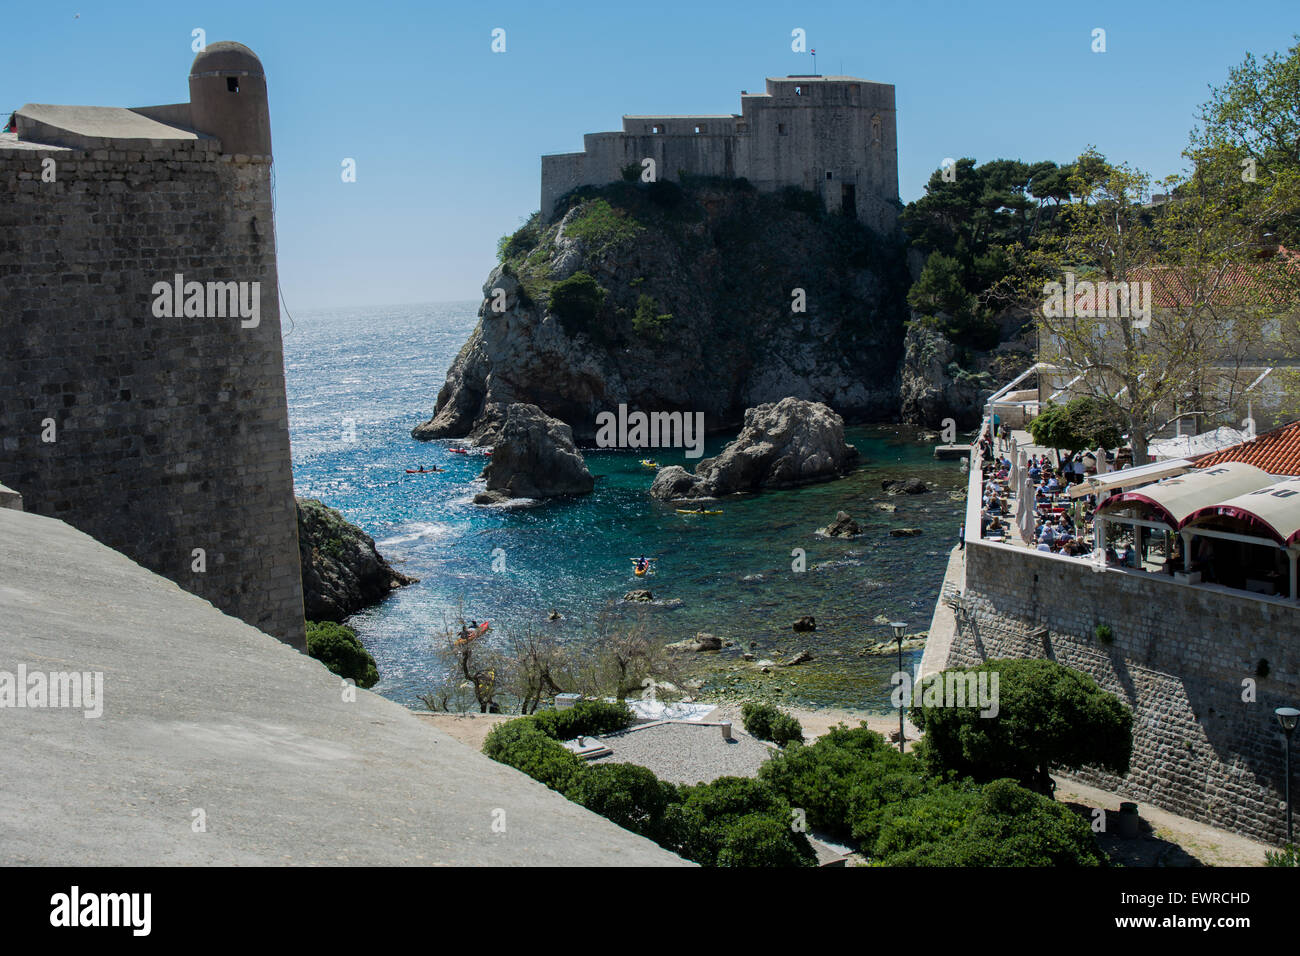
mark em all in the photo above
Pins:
pixel 782 445
pixel 342 572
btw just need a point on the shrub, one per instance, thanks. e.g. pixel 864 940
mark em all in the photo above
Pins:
pixel 718 824
pixel 647 321
pixel 586 718
pixel 339 649
pixel 1001 825
pixel 577 301
pixel 1105 634
pixel 601 226
pixel 522 745
pixel 762 840
pixel 631 796
pixel 1048 715
pixel 841 777
pixel 757 719
pixel 786 729
pixel 770 723
pixel 1289 855
pixel 522 241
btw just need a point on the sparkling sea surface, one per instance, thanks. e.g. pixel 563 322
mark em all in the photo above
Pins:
pixel 359 380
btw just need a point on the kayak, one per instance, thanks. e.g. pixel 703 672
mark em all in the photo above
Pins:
pixel 476 633
pixel 683 511
pixel 641 572
pixel 426 471
pixel 646 462
pixel 459 451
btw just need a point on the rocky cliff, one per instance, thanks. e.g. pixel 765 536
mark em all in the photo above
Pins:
pixel 939 379
pixel 711 298
pixel 341 570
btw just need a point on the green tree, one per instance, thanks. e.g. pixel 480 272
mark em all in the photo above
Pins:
pixel 1079 423
pixel 339 649
pixel 1048 716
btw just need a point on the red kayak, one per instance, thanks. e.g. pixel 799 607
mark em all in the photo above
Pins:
pixel 425 471
pixel 459 451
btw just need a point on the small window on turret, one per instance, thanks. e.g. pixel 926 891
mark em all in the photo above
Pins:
pixel 656 129
pixel 828 174
pixel 798 91
pixel 699 129
pixel 780 129
pixel 232 84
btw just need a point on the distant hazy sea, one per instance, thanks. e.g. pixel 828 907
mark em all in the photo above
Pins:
pixel 372 374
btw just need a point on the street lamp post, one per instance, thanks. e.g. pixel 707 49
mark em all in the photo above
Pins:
pixel 1287 717
pixel 899 627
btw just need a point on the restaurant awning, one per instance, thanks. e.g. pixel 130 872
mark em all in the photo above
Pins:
pixel 1126 478
pixel 1171 501
pixel 1271 512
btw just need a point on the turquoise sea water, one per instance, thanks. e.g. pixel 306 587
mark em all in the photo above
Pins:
pixel 359 380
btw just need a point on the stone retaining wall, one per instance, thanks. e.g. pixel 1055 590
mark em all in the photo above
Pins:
pixel 1181 657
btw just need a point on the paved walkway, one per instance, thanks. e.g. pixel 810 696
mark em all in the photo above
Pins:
pixel 943 624
pixel 210 725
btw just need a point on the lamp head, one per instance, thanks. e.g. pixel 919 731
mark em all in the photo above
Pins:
pixel 899 627
pixel 1287 717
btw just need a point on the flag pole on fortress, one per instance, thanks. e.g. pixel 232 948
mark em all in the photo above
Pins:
pixel 814 56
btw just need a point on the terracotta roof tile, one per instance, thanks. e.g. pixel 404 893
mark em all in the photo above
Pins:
pixel 1276 452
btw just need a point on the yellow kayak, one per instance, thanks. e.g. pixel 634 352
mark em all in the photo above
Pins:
pixel 647 463
pixel 683 511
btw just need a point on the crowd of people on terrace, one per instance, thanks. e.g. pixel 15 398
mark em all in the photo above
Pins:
pixel 1061 525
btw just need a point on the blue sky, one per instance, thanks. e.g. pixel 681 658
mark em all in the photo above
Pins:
pixel 446 134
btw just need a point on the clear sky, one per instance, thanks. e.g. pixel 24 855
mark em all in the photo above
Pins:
pixel 446 134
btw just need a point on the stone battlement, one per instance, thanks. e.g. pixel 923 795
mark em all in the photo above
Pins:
pixel 832 135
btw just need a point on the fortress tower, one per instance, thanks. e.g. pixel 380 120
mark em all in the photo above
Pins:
pixel 141 369
pixel 832 135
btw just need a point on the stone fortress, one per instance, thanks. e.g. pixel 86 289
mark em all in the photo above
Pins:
pixel 832 135
pixel 164 437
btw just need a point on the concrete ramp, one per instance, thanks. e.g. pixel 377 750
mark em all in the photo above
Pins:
pixel 208 721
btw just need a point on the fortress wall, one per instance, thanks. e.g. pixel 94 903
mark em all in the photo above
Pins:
pixel 1179 657
pixel 782 139
pixel 171 433
pixel 561 173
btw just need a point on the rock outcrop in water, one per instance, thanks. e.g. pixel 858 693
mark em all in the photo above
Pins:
pixel 842 527
pixel 341 570
pixel 533 456
pixel 783 445
pixel 711 299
